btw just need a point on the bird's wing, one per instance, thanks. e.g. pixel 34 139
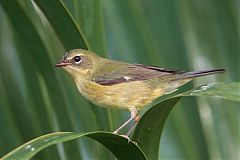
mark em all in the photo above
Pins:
pixel 131 72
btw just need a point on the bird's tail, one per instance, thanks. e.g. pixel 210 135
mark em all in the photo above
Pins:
pixel 189 75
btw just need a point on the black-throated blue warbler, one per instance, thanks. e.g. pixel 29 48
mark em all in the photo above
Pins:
pixel 115 84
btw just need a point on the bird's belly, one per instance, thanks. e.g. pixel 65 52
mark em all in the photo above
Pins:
pixel 124 95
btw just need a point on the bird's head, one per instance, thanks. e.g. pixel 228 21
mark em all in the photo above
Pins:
pixel 78 62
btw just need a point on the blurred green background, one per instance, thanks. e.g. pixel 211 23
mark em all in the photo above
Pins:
pixel 36 98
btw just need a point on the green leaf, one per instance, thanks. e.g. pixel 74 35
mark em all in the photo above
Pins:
pixel 229 91
pixel 89 16
pixel 43 90
pixel 118 145
pixel 174 34
pixel 72 36
pixel 147 133
pixel 65 27
pixel 149 129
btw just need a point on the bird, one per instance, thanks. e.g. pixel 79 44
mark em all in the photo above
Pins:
pixel 116 84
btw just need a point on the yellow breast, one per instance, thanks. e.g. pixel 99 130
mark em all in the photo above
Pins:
pixel 124 95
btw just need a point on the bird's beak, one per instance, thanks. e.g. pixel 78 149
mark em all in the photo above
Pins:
pixel 61 64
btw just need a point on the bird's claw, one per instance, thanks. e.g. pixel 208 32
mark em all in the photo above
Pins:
pixel 129 140
pixel 125 136
pixel 135 143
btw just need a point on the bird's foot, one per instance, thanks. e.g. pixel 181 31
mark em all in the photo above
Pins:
pixel 135 143
pixel 125 136
pixel 129 140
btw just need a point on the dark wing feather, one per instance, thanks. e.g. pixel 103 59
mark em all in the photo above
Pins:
pixel 159 69
pixel 134 72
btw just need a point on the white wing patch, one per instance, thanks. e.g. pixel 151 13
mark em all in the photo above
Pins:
pixel 127 78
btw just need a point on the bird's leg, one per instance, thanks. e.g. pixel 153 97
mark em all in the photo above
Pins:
pixel 123 125
pixel 134 113
pixel 136 120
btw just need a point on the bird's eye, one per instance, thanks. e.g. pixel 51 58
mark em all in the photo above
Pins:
pixel 77 59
